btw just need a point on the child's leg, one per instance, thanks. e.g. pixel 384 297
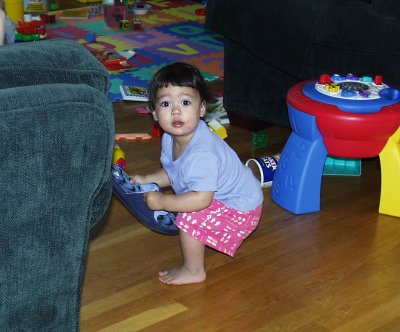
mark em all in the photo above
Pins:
pixel 192 271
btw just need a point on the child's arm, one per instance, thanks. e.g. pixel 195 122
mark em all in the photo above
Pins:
pixel 160 177
pixel 188 202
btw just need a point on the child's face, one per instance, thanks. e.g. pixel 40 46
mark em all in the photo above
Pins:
pixel 178 110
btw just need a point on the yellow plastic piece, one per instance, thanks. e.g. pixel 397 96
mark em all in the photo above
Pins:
pixel 332 88
pixel 221 132
pixel 390 176
pixel 15 10
pixel 217 128
pixel 118 153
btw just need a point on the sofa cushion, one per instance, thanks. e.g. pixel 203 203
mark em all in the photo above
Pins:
pixel 364 44
pixel 66 61
pixel 279 32
pixel 390 8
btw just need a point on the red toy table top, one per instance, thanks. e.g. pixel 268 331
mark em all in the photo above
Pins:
pixel 354 135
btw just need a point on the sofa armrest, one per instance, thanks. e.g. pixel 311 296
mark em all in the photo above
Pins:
pixel 100 202
pixel 50 61
pixel 56 153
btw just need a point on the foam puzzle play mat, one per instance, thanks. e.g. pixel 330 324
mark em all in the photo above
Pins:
pixel 133 43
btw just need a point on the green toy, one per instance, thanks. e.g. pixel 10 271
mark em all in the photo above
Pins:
pixel 259 140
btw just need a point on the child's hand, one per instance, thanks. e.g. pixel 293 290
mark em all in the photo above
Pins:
pixel 139 179
pixel 153 200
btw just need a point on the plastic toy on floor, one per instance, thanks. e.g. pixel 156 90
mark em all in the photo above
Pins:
pixel 119 157
pixel 30 28
pixel 131 195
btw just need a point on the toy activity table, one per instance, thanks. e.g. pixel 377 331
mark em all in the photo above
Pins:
pixel 347 117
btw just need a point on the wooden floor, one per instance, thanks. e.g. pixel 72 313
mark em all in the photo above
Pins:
pixel 336 270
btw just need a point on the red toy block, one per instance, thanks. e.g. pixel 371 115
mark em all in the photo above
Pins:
pixel 156 130
pixel 137 24
pixel 114 14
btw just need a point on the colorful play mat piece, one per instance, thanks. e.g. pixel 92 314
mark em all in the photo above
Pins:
pixel 171 31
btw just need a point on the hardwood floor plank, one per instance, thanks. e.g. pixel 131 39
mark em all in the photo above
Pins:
pixel 146 319
pixel 128 233
pixel 120 298
pixel 373 319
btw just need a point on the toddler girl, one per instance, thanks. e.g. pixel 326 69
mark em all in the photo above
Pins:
pixel 217 198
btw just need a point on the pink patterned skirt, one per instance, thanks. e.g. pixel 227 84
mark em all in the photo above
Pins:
pixel 219 226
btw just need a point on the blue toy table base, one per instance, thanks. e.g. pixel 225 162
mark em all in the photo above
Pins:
pixel 297 189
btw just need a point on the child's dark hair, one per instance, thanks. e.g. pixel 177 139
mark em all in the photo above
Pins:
pixel 178 74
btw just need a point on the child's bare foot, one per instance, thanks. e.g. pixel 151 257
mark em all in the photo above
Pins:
pixel 181 276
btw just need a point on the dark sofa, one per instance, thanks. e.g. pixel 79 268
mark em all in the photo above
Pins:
pixel 56 142
pixel 271 45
